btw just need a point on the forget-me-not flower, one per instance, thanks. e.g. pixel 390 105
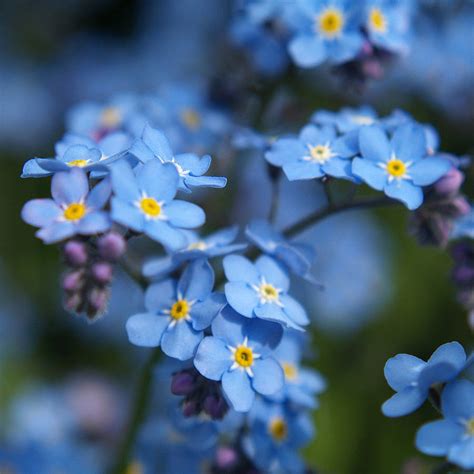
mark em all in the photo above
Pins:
pixel 412 377
pixel 239 355
pixel 260 290
pixel 179 312
pixel 398 166
pixel 145 202
pixel 453 436
pixel 347 119
pixel 73 209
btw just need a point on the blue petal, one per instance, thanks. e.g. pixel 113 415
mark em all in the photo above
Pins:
pixel 408 193
pixel 402 370
pixel 338 167
pixel 294 310
pixel 212 358
pixel 94 223
pixel 142 152
pixel 272 312
pixel 369 172
pixel 262 234
pixel 69 187
pixel 158 143
pixel 374 144
pixel 217 182
pixel 437 373
pixel 160 296
pixel 437 437
pixel 263 334
pixel 307 51
pixel 197 281
pixel 451 352
pixel 347 146
pixel 158 180
pixel 345 48
pixel 80 152
pixel 204 312
pixel 146 329
pixel 222 237
pixel 124 182
pixel 457 400
pixel 404 402
pixel 56 232
pixel 229 326
pixel 31 169
pixel 181 341
pixel 429 170
pixel 303 170
pixel 158 267
pixel 241 297
pixel 99 194
pixel 193 163
pixel 285 150
pixel 273 272
pixel 52 165
pixel 238 268
pixel 238 391
pixel 462 453
pixel 127 214
pixel 40 212
pixel 173 239
pixel 268 376
pixel 409 142
pixel 184 214
pixel 312 135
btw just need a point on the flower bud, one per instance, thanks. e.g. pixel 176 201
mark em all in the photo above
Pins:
pixel 73 281
pixel 215 406
pixel 226 457
pixel 111 246
pixel 183 383
pixel 73 303
pixel 97 300
pixel 190 408
pixel 463 274
pixel 461 206
pixel 75 253
pixel 450 183
pixel 102 272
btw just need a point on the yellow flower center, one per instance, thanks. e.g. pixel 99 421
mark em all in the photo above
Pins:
pixel 150 207
pixel 319 153
pixel 377 20
pixel 470 427
pixel 78 163
pixel 179 310
pixel 243 356
pixel 268 292
pixel 74 211
pixel 199 245
pixel 362 119
pixel 191 118
pixel 290 370
pixel 330 23
pixel 278 429
pixel 111 117
pixel 396 168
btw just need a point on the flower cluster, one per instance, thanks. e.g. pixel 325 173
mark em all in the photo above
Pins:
pixel 447 378
pixel 356 35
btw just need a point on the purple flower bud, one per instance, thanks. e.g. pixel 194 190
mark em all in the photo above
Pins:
pixel 226 457
pixel 367 48
pixel 102 272
pixel 190 408
pixel 461 206
pixel 73 281
pixel 112 246
pixel 183 383
pixel 97 300
pixel 372 69
pixel 215 406
pixel 73 303
pixel 463 274
pixel 75 253
pixel 450 182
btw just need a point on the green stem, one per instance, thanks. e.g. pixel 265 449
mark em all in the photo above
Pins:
pixel 317 216
pixel 140 406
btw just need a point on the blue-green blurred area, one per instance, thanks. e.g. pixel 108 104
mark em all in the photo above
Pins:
pixel 58 53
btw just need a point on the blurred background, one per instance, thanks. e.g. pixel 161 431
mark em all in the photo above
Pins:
pixel 61 377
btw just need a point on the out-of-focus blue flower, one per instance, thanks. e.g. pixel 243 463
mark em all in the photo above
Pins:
pixel 260 290
pixel 178 312
pixel 326 31
pixel 316 152
pixel 155 146
pixel 275 436
pixel 239 355
pixel 214 245
pixel 399 167
pixel 452 436
pixel 296 257
pixel 145 202
pixel 301 384
pixel 73 209
pixel 464 226
pixel 387 24
pixel 347 119
pixel 412 377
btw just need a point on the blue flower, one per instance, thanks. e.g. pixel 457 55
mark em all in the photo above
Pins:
pixel 316 152
pixel 454 435
pixel 399 167
pixel 327 31
pixel 295 256
pixel 239 355
pixel 178 312
pixel 154 145
pixel 73 209
pixel 347 119
pixel 275 436
pixel 412 377
pixel 301 384
pixel 259 290
pixel 214 245
pixel 144 202
pixel 387 24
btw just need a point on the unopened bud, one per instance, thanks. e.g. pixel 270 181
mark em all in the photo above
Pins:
pixel 75 253
pixel 190 408
pixel 73 303
pixel 72 281
pixel 226 457
pixel 97 301
pixel 183 383
pixel 111 246
pixel 102 272
pixel 215 406
pixel 450 183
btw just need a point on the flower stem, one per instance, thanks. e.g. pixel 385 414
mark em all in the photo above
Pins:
pixel 139 409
